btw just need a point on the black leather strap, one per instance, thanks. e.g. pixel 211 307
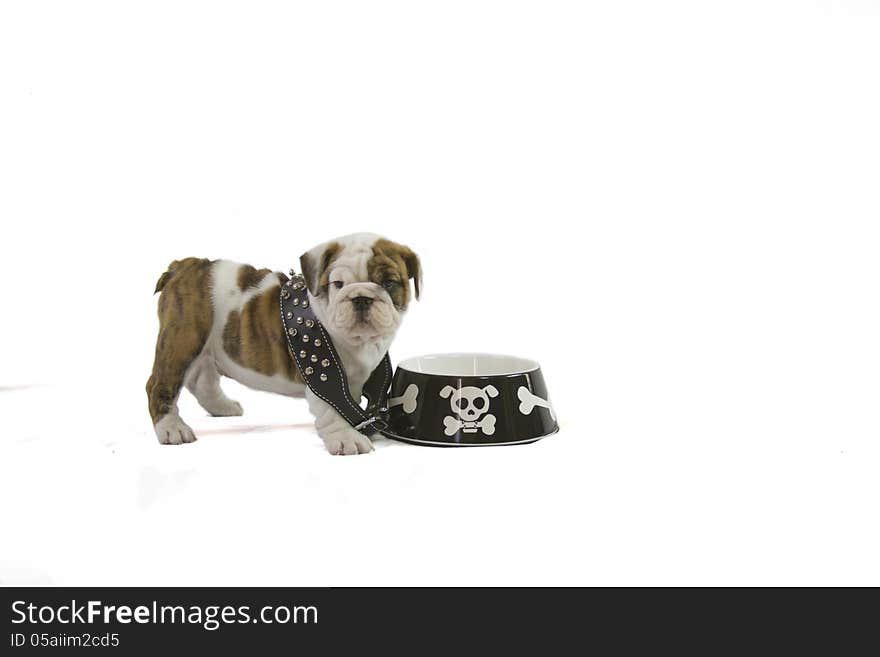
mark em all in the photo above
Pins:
pixel 321 368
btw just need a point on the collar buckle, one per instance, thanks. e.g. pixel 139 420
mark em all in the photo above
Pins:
pixel 375 424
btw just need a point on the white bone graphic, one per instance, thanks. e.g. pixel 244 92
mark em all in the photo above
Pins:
pixel 470 404
pixel 528 401
pixel 409 399
pixel 453 425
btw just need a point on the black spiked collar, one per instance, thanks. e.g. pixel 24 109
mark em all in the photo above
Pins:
pixel 321 367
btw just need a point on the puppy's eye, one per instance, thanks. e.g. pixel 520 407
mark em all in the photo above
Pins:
pixel 337 284
pixel 390 285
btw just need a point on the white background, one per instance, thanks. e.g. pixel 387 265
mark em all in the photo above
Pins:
pixel 672 206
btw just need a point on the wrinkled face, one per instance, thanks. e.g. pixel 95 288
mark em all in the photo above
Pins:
pixel 360 286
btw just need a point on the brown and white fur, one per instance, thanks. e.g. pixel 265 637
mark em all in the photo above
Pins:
pixel 221 318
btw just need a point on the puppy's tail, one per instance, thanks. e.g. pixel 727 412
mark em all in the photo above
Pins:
pixel 173 268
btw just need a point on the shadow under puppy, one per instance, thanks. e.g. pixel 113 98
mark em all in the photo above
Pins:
pixel 221 318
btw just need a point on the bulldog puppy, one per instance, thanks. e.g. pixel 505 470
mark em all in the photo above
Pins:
pixel 221 318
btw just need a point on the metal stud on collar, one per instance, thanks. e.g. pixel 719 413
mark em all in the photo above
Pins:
pixel 310 370
pixel 302 353
pixel 310 323
pixel 314 358
pixel 289 315
pixel 291 331
pixel 323 376
pixel 305 337
pixel 317 342
pixel 299 320
pixel 325 362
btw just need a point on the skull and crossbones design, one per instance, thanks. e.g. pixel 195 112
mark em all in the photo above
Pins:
pixel 470 405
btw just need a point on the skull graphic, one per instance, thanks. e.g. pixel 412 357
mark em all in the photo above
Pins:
pixel 470 404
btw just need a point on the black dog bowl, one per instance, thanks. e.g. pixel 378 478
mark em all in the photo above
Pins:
pixel 469 400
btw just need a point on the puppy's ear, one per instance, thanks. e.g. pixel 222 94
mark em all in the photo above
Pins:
pixel 413 268
pixel 314 265
pixel 491 390
pixel 447 390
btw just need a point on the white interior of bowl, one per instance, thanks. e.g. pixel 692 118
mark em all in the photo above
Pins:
pixel 468 365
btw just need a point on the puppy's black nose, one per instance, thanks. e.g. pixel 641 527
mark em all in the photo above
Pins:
pixel 361 304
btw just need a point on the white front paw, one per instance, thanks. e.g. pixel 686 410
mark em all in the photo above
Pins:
pixel 171 430
pixel 348 443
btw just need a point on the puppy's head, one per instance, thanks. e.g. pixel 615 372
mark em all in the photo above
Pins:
pixel 359 285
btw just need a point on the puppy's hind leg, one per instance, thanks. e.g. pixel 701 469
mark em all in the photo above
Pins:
pixel 163 390
pixel 203 381
pixel 185 317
